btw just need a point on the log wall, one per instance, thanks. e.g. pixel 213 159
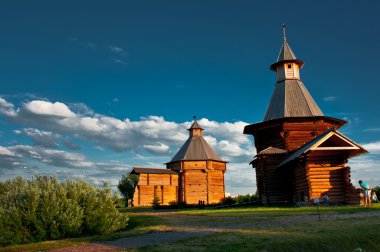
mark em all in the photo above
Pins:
pixel 274 186
pixel 290 135
pixel 202 180
pixel 163 186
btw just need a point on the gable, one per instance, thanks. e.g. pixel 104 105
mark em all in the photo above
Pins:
pixel 335 141
pixel 330 141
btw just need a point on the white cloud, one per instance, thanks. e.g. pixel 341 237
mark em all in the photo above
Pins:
pixel 152 138
pixel 57 158
pixel 159 149
pixel 372 130
pixel 126 135
pixel 40 137
pixel 117 49
pixel 6 152
pixel 7 108
pixel 330 98
pixel 119 61
pixel 40 107
pixel 366 168
pixel 373 147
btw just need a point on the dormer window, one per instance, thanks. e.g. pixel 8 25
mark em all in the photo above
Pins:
pixel 289 65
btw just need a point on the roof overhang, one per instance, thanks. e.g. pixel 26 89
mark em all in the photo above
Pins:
pixel 251 128
pixel 196 160
pixel 149 170
pixel 274 65
pixel 330 141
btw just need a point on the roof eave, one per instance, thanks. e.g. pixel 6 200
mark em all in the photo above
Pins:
pixel 249 129
pixel 215 160
pixel 274 65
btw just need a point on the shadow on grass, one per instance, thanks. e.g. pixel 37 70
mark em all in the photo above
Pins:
pixel 333 235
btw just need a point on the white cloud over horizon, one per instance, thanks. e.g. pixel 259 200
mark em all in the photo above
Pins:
pixel 150 141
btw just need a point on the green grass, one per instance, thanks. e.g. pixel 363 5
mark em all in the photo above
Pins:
pixel 353 234
pixel 248 229
pixel 279 211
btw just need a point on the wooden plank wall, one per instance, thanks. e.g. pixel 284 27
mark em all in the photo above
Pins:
pixel 353 196
pixel 163 186
pixel 275 185
pixel 326 174
pixel 195 186
pixel 300 183
pixel 216 186
pixel 296 134
pixel 290 135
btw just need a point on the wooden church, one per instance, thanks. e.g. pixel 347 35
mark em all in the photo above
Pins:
pixel 195 173
pixel 300 153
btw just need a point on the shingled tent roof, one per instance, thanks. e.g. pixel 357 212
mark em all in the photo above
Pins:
pixel 195 125
pixel 196 148
pixel 286 54
pixel 291 99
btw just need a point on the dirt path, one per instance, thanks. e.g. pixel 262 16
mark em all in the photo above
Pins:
pixel 187 226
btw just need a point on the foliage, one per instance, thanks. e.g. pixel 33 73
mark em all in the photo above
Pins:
pixel 377 190
pixel 127 185
pixel 46 209
pixel 228 200
pixel 156 203
pixel 239 199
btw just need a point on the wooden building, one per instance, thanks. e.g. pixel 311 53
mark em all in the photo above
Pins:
pixel 155 182
pixel 300 153
pixel 195 173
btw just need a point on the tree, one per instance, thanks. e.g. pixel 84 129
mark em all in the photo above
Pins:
pixel 127 185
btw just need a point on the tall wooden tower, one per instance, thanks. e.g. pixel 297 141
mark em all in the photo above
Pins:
pixel 300 153
pixel 201 170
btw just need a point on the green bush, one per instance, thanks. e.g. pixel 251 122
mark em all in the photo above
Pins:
pixel 46 209
pixel 156 203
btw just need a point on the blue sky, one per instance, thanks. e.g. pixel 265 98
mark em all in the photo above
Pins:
pixel 90 89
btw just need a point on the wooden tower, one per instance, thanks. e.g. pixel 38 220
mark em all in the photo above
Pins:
pixel 300 153
pixel 201 170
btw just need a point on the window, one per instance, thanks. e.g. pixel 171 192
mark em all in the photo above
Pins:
pixel 289 65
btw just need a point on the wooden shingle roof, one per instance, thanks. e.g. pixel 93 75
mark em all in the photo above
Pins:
pixel 286 54
pixel 272 151
pixel 139 170
pixel 195 148
pixel 291 99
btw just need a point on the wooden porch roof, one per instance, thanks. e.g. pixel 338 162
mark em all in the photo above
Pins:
pixel 331 140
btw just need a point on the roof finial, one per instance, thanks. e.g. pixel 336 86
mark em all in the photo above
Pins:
pixel 195 118
pixel 284 31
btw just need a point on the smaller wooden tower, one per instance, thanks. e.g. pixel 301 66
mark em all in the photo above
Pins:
pixel 300 153
pixel 195 173
pixel 201 169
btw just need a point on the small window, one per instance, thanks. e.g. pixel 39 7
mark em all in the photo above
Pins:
pixel 289 65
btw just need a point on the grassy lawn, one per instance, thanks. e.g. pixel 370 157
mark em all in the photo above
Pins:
pixel 330 234
pixel 346 228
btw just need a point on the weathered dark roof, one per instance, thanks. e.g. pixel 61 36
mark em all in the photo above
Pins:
pixel 272 151
pixel 249 129
pixel 355 150
pixel 286 54
pixel 195 125
pixel 139 170
pixel 196 148
pixel 290 98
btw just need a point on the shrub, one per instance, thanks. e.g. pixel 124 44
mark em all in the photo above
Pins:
pixel 156 203
pixel 46 209
pixel 228 201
